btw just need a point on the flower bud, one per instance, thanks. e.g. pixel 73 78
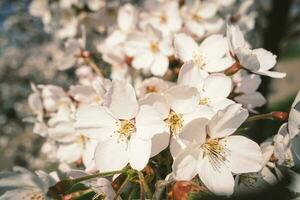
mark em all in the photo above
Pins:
pixel 181 190
pixel 233 69
pixel 280 116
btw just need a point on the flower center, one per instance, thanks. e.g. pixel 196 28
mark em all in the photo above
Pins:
pixel 163 18
pixel 216 152
pixel 154 48
pixel 204 101
pixel 151 88
pixel 196 17
pixel 198 60
pixel 126 128
pixel 81 140
pixel 175 122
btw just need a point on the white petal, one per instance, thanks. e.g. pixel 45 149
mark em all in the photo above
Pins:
pixel 219 65
pixel 183 99
pixel 95 122
pixel 192 76
pixel 221 104
pixel 127 17
pixel 272 74
pixel 111 155
pixel 143 60
pixel 225 122
pixel 212 86
pixel 70 152
pixel 159 143
pixel 220 181
pixel 148 122
pixel 200 111
pixel 195 131
pixel 248 59
pixel 245 155
pixel 251 101
pixel 249 84
pixel 214 47
pixel 184 46
pixel 195 28
pixel 160 65
pixel 158 102
pixel 266 59
pixel 88 154
pixel 177 145
pixel 294 117
pixel 207 9
pixel 185 165
pixel 139 152
pixel 121 100
pixel 235 37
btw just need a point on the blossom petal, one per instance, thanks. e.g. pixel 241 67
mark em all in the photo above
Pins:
pixel 185 165
pixel 95 122
pixel 148 122
pixel 160 65
pixel 212 86
pixel 220 181
pixel 159 142
pixel 192 76
pixel 248 59
pixel 143 60
pixel 184 46
pixel 245 155
pixel 139 151
pixel 214 47
pixel 183 99
pixel 111 155
pixel 158 102
pixel 225 122
pixel 195 131
pixel 115 100
pixel 70 152
pixel 294 117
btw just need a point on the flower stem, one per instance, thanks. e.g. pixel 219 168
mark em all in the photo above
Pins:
pixel 122 187
pixel 93 65
pixel 99 175
pixel 280 116
pixel 144 187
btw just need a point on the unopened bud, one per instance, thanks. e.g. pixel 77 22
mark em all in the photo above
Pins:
pixel 181 189
pixel 85 54
pixel 233 69
pixel 281 116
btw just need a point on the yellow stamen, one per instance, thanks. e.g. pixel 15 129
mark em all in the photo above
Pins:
pixel 199 60
pixel 154 48
pixel 175 122
pixel 126 128
pixel 204 101
pixel 216 152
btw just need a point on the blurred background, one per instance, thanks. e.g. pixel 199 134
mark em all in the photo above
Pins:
pixel 28 54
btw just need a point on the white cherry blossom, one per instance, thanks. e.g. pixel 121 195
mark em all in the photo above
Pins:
pixel 215 153
pixel 200 18
pixel 210 56
pixel 259 60
pixel 150 51
pixel 123 128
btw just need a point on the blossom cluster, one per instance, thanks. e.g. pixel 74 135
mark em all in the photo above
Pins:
pixel 183 82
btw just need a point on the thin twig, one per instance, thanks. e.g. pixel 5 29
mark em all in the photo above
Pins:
pixel 122 187
pixel 159 188
pixel 92 64
pixel 142 188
